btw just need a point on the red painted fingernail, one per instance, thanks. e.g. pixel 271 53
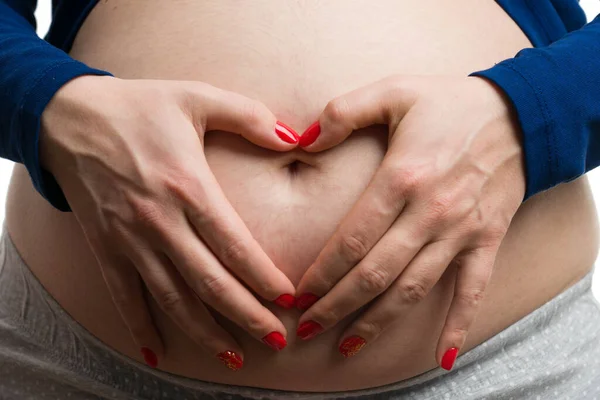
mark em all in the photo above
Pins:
pixel 275 340
pixel 352 345
pixel 309 329
pixel 286 133
pixel 286 301
pixel 231 360
pixel 310 134
pixel 149 357
pixel 306 300
pixel 449 358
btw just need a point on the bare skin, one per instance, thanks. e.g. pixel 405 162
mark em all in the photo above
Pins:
pixel 292 202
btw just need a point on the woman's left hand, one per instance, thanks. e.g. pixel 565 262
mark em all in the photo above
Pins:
pixel 450 183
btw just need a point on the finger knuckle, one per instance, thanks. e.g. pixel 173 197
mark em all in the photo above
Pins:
pixel 397 183
pixel 234 252
pixel 147 213
pixel 487 239
pixel 256 322
pixel 459 332
pixel 337 110
pixel 267 288
pixel 320 279
pixel 211 287
pixel 180 183
pixel 496 230
pixel 369 329
pixel 204 217
pixel 169 301
pixel 327 316
pixel 412 291
pixel 353 246
pixel 252 113
pixel 471 298
pixel 406 180
pixel 373 279
pixel 441 205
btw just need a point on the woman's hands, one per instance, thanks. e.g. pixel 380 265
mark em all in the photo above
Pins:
pixel 446 191
pixel 129 157
pixel 133 169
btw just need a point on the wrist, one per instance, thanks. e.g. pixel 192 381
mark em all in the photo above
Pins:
pixel 62 115
pixel 505 118
pixel 496 100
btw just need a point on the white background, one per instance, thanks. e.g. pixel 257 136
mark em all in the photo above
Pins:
pixel 592 8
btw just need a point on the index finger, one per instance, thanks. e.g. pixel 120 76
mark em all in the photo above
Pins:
pixel 222 229
pixel 366 223
pixel 383 102
pixel 474 273
pixel 212 109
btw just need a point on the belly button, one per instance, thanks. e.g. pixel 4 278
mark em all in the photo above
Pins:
pixel 294 167
pixel 298 167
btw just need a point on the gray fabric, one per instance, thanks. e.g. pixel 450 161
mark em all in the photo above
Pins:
pixel 553 353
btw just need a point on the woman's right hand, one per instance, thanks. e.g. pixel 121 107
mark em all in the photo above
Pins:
pixel 129 157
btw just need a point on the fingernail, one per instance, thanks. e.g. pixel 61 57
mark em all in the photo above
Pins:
pixel 310 134
pixel 286 133
pixel 286 301
pixel 231 360
pixel 449 358
pixel 149 357
pixel 275 340
pixel 352 345
pixel 306 300
pixel 309 329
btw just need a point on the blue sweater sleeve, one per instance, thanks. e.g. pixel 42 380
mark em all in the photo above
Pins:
pixel 31 71
pixel 555 91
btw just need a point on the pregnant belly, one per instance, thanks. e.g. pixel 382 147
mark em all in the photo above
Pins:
pixel 295 56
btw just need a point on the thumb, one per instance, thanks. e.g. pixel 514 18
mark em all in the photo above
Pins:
pixel 216 109
pixel 381 103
